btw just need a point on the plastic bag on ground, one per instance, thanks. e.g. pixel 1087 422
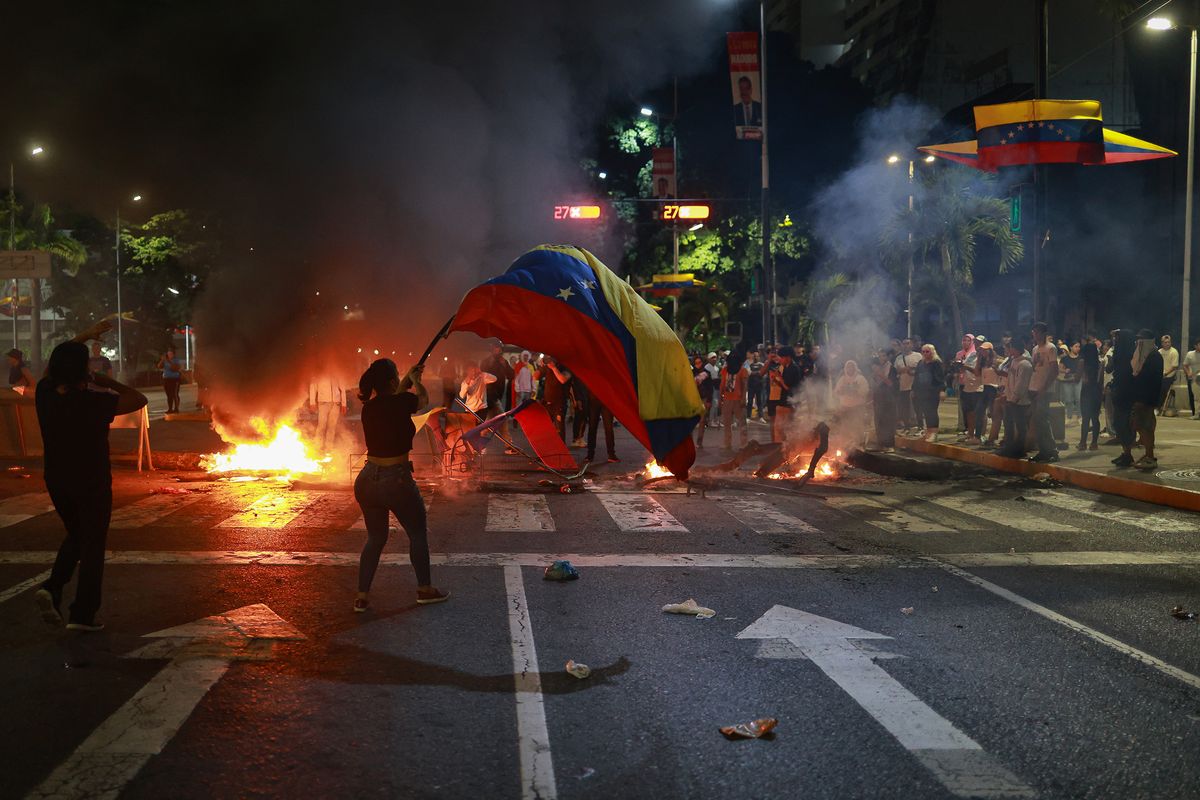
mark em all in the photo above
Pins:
pixel 561 571
pixel 750 730
pixel 691 608
pixel 578 670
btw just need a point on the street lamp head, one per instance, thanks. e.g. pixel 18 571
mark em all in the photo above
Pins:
pixel 37 151
pixel 647 112
pixel 1159 24
pixel 603 175
pixel 893 159
pixel 137 198
pixel 172 290
pixel 697 227
pixel 930 159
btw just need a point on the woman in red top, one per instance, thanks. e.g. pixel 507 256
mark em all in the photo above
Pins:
pixel 386 483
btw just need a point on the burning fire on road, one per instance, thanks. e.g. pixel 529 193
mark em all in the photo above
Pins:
pixel 279 451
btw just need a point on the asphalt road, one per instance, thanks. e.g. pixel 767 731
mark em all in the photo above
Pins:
pixel 967 639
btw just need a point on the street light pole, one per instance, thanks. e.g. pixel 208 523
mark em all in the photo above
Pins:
pixel 120 337
pixel 1187 203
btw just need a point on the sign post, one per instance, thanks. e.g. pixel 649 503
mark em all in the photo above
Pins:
pixel 34 265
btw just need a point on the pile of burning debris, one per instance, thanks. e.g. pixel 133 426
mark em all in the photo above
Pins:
pixel 788 466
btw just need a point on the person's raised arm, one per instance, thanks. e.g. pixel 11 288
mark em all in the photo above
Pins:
pixel 128 398
pixel 95 332
pixel 411 382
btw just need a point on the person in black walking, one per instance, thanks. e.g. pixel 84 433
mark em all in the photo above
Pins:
pixel 385 484
pixel 74 411
pixel 1089 395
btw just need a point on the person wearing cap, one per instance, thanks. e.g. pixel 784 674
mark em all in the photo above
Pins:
pixel 19 377
pixel 714 374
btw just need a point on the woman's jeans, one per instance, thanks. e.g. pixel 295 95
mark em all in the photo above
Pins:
pixel 380 490
pixel 982 407
pixel 1070 391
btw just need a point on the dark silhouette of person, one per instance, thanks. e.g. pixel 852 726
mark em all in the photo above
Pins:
pixel 748 111
pixel 74 410
pixel 664 188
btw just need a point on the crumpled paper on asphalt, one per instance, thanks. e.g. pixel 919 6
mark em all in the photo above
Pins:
pixel 690 607
pixel 578 670
pixel 750 730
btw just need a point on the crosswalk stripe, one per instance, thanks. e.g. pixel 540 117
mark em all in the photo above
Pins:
pixel 639 512
pixel 892 520
pixel 150 509
pixel 1009 513
pixel 518 512
pixel 1159 523
pixel 23 507
pixel 762 517
pixel 274 510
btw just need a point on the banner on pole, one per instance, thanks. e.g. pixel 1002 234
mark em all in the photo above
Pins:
pixel 663 172
pixel 746 80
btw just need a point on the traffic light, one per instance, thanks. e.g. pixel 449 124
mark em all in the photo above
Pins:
pixel 576 212
pixel 691 212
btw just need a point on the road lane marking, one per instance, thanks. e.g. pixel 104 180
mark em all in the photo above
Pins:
pixel 537 766
pixel 200 653
pixel 639 512
pixel 1009 513
pixel 321 558
pixel 150 509
pixel 1078 627
pixel 24 586
pixel 761 516
pixel 518 512
pixel 1157 522
pixel 272 510
pixel 956 759
pixel 23 507
pixel 892 520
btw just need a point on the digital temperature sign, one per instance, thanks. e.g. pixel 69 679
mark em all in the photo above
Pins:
pixel 577 212
pixel 685 212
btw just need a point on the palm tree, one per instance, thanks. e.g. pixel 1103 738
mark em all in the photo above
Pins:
pixel 954 212
pixel 702 312
pixel 37 232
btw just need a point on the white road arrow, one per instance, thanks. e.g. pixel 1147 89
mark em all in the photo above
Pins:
pixel 200 653
pixel 956 759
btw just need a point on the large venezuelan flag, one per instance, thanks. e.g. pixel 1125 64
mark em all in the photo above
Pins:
pixel 1040 132
pixel 561 300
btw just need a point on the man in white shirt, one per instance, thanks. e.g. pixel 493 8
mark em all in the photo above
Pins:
pixel 473 391
pixel 1170 357
pixel 1191 371
pixel 1045 370
pixel 330 401
pixel 906 368
pixel 714 374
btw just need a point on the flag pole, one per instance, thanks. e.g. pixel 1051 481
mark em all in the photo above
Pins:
pixel 442 334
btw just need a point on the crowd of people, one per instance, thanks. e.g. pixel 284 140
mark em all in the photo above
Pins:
pixel 1115 386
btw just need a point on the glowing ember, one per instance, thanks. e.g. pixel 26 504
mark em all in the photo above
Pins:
pixel 654 470
pixel 283 451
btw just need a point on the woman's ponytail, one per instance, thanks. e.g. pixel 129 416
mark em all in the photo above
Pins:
pixel 377 378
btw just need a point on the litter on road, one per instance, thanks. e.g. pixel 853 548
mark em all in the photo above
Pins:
pixel 690 607
pixel 578 670
pixel 750 730
pixel 907 610
pixel 1178 612
pixel 561 571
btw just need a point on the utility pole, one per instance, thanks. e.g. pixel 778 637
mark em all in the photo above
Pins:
pixel 1039 171
pixel 770 319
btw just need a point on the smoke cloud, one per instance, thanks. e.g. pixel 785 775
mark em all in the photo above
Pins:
pixel 465 125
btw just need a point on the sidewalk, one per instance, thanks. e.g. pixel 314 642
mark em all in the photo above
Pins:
pixel 1175 483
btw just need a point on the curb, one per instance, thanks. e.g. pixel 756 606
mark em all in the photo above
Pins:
pixel 1156 493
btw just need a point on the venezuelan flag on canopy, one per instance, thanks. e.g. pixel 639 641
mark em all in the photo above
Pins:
pixel 1045 132
pixel 561 300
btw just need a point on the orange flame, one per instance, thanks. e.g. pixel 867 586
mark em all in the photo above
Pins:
pixel 654 470
pixel 282 451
